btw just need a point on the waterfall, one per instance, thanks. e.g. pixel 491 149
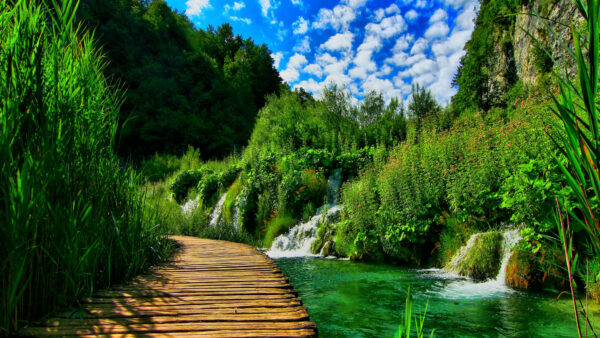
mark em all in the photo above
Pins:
pixel 215 216
pixel 189 206
pixel 466 288
pixel 461 254
pixel 333 187
pixel 510 239
pixel 296 243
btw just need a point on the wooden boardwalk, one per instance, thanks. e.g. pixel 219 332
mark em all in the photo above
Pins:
pixel 211 288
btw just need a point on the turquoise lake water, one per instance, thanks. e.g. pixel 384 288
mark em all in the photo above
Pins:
pixel 350 299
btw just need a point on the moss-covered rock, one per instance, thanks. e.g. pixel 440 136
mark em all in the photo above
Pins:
pixel 523 270
pixel 536 271
pixel 483 257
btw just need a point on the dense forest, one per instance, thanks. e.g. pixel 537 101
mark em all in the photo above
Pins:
pixel 124 108
pixel 185 86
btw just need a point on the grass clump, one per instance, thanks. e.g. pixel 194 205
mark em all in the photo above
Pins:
pixel 73 220
pixel 280 224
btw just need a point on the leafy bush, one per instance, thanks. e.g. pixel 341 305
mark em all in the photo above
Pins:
pixel 185 181
pixel 278 225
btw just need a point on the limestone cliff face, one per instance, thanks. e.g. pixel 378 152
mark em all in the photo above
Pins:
pixel 558 14
pixel 508 45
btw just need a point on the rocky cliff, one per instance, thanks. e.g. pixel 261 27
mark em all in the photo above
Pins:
pixel 509 46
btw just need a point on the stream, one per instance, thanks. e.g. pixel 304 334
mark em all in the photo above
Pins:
pixel 352 299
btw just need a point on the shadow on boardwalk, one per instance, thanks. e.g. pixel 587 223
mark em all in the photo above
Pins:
pixel 210 288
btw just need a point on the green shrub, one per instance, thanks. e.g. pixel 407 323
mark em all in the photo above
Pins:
pixel 185 181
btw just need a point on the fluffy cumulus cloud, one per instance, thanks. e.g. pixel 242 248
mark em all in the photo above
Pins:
pixel 338 42
pixel 367 47
pixel 338 18
pixel 195 7
pixel 300 26
pixel 411 15
pixel 291 73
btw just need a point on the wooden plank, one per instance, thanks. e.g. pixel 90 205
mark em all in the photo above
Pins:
pixel 209 288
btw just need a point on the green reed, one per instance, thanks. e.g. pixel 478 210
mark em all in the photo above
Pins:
pixel 577 108
pixel 71 219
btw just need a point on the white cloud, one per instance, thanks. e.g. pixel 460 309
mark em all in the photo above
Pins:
pixel 466 18
pixel 311 85
pixel 289 75
pixel 244 20
pixel 277 59
pixel 339 18
pixel 438 15
pixel 411 15
pixel 392 9
pixel 314 69
pixel 300 26
pixel 236 6
pixel 387 28
pixel 296 61
pixel 195 7
pixel 303 46
pixel 437 30
pixel 340 41
pixel 455 42
pixel 379 14
pixel 297 2
pixel 456 4
pixel 403 43
pixel 419 46
pixel 355 3
pixel 267 7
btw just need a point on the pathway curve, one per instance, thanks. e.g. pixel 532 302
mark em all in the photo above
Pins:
pixel 210 288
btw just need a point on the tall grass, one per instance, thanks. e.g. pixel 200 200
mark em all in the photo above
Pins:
pixel 577 107
pixel 71 220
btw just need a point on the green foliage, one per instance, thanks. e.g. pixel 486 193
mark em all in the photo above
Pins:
pixel 73 220
pixel 396 208
pixel 185 181
pixel 185 86
pixel 280 224
pixel 404 330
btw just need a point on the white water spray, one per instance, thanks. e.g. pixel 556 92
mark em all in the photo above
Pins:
pixel 297 242
pixel 215 216
pixel 466 288
pixel 190 206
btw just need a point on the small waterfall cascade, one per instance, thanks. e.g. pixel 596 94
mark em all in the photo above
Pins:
pixel 334 182
pixel 235 217
pixel 215 216
pixel 452 266
pixel 466 288
pixel 296 243
pixel 189 206
pixel 510 239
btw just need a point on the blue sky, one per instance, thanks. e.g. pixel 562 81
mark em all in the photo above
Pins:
pixel 382 45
